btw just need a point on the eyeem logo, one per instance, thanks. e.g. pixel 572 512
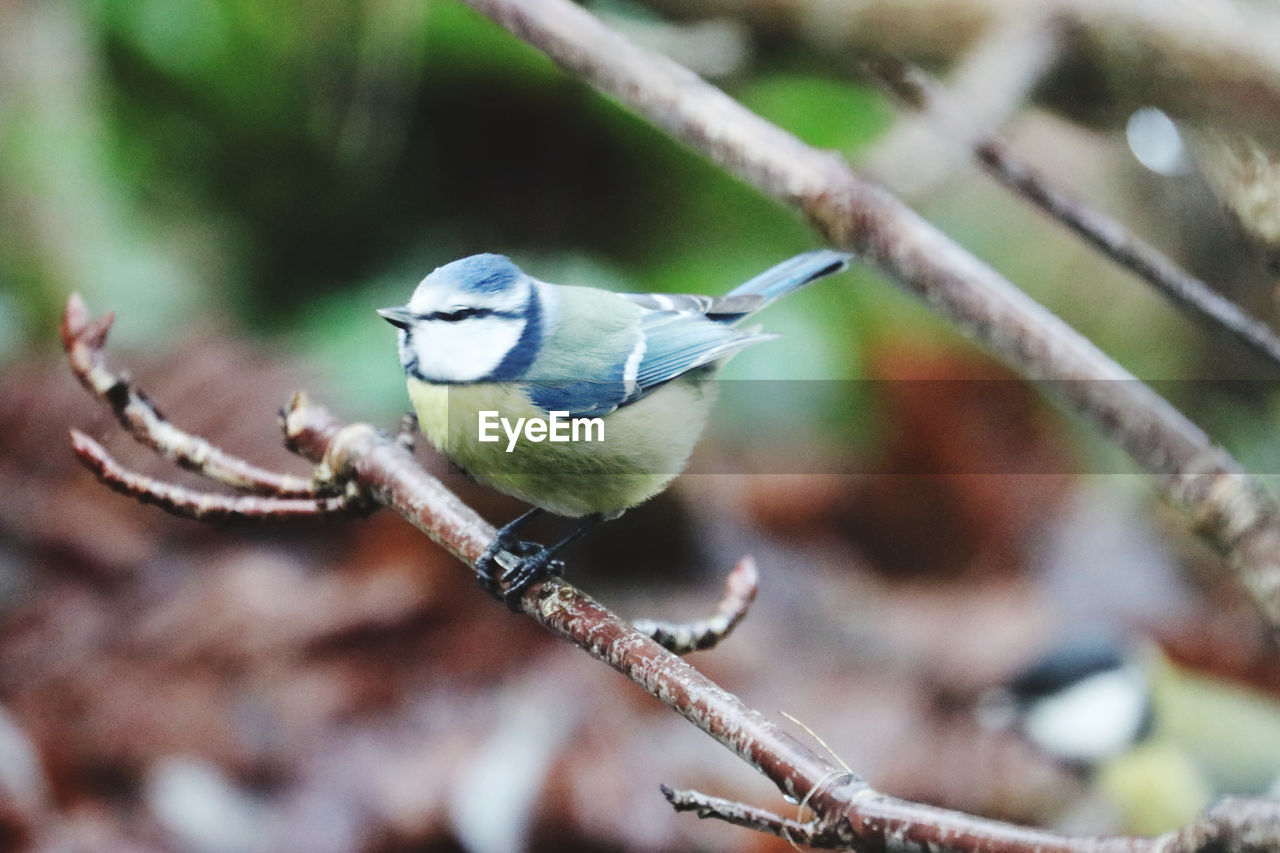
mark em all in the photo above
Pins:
pixel 557 427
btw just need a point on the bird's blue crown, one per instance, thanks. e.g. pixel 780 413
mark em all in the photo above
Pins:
pixel 481 274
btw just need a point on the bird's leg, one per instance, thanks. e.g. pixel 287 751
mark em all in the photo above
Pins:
pixel 489 569
pixel 536 565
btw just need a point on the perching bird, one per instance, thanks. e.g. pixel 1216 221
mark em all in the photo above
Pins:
pixel 485 345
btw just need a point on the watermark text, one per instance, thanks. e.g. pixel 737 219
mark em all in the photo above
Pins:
pixel 557 426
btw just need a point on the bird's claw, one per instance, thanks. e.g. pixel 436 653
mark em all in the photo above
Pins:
pixel 509 565
pixel 507 568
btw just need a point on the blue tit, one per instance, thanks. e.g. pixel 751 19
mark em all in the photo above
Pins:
pixel 1159 742
pixel 1081 702
pixel 579 401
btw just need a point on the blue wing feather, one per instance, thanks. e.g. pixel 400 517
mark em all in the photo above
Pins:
pixel 677 343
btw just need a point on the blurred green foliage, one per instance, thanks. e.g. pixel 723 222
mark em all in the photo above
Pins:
pixel 296 167
pixel 290 168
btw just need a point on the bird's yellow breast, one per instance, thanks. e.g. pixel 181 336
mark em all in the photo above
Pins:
pixel 643 446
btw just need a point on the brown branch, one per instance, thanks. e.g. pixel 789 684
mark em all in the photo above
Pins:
pixel 683 637
pixel 849 814
pixel 1231 510
pixel 917 90
pixel 1245 826
pixel 204 506
pixel 84 339
pixel 389 475
pixel 1110 237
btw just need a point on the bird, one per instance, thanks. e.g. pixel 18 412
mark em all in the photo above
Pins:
pixel 1082 701
pixel 1157 741
pixel 502 369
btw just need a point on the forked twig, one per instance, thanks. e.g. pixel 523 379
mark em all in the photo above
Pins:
pixel 271 495
pixel 84 339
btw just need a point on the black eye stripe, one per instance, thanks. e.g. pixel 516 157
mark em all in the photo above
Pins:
pixel 460 314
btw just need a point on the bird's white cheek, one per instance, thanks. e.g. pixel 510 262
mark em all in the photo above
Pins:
pixel 1093 720
pixel 464 352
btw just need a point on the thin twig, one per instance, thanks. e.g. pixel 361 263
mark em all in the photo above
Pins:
pixel 84 339
pixel 1231 510
pixel 683 637
pixel 741 814
pixel 203 506
pixel 915 89
pixel 992 80
pixel 1110 237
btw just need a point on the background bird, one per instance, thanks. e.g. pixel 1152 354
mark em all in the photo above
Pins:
pixel 1158 742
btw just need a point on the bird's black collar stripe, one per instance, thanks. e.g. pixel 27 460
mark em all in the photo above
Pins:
pixel 521 356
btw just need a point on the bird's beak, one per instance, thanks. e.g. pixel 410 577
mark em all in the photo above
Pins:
pixel 399 317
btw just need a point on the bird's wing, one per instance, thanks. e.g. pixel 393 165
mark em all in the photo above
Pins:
pixel 667 345
pixel 672 334
pixel 677 342
pixel 724 308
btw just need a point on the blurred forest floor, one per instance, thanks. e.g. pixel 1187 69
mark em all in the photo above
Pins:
pixel 344 685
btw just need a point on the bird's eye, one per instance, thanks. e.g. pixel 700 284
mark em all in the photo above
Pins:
pixel 460 314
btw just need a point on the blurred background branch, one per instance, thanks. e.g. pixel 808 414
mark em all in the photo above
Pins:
pixel 1207 62
pixel 940 109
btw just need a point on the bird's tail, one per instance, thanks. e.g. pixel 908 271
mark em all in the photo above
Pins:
pixel 792 274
